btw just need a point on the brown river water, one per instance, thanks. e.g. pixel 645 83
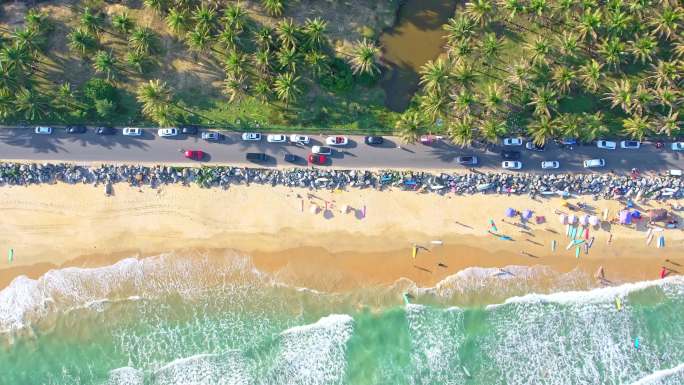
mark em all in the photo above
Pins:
pixel 416 38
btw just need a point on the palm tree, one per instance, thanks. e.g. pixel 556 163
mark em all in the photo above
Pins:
pixel 235 17
pixel 669 124
pixel 137 60
pixel 666 22
pixel 461 131
pixel 287 58
pixel 621 94
pixel 665 73
pixel 142 40
pixel 286 88
pixel 314 32
pixel 563 79
pixel 481 11
pixel 177 21
pixel 7 108
pixel 433 105
pixel 678 49
pixel 234 64
pixel 91 21
pixel 642 100
pixel 262 61
pixel 513 7
pixel 409 126
pixel 36 20
pixel 123 23
pixel 542 130
pixel 273 7
pixel 235 86
pixel 17 58
pixel 436 76
pixel 494 98
pixel 668 97
pixel 569 45
pixel 571 125
pixel 198 40
pixel 464 102
pixel 636 126
pixel 464 74
pixel 589 24
pixel 229 38
pixel 104 62
pixel 155 97
pixel 459 28
pixel 540 50
pixel 544 101
pixel 31 104
pixel 262 90
pixel 591 74
pixel 64 99
pixel 364 58
pixel 205 17
pixel 459 49
pixel 155 5
pixel 263 37
pixel 317 62
pixel 644 48
pixel 520 75
pixel 594 126
pixel 492 129
pixel 287 31
pixel 82 41
pixel 612 50
pixel 491 47
pixel 28 38
pixel 8 80
pixel 618 22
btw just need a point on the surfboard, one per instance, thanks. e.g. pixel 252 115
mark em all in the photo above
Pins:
pixel 10 255
pixel 415 251
pixel 406 300
pixel 618 303
pixel 636 343
pixel 465 371
pixel 577 252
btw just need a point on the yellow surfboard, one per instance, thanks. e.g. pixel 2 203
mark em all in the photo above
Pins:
pixel 618 303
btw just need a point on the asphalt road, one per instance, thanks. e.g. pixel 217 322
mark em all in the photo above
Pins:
pixel 22 143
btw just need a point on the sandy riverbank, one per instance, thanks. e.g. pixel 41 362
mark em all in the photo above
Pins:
pixel 65 225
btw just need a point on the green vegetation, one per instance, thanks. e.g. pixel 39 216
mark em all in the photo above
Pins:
pixel 281 74
pixel 555 68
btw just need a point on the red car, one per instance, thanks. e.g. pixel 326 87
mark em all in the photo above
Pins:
pixel 194 154
pixel 317 159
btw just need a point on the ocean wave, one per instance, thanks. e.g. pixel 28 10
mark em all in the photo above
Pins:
pixel 672 376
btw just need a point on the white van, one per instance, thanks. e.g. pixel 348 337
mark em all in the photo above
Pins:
pixel 675 172
pixel 591 163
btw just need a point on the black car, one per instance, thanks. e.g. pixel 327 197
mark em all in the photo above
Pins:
pixel 534 147
pixel 189 130
pixel 510 155
pixel 105 130
pixel 75 129
pixel 374 140
pixel 467 160
pixel 256 157
pixel 292 158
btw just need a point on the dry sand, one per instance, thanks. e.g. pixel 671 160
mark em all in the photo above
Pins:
pixel 64 225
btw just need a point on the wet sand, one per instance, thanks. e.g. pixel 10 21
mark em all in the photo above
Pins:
pixel 62 225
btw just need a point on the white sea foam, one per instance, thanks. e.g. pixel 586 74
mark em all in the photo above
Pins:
pixel 674 376
pixel 230 368
pixel 125 376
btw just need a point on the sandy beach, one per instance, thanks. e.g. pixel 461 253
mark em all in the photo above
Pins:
pixel 51 226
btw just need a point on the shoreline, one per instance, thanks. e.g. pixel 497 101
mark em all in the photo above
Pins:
pixel 328 251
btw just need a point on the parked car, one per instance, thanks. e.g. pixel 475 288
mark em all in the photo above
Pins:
pixel 321 150
pixel 256 157
pixel 317 159
pixel 606 144
pixel 534 147
pixel 42 130
pixel 678 146
pixel 76 129
pixel 292 158
pixel 210 135
pixel 167 132
pixel 592 163
pixel 336 141
pixel 568 141
pixel 189 130
pixel 299 139
pixel 630 144
pixel 132 131
pixel 276 138
pixel 251 136
pixel 374 140
pixel 511 165
pixel 548 164
pixel 510 155
pixel 105 130
pixel 467 160
pixel 194 154
pixel 512 142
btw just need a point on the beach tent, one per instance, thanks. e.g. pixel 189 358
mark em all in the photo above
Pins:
pixel 572 218
pixel 584 220
pixel 563 219
pixel 594 220
pixel 625 217
pixel 510 212
pixel 657 214
pixel 527 214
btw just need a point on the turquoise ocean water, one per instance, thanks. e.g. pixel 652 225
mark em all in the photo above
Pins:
pixel 174 320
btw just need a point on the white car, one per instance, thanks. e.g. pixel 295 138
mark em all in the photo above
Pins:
pixel 301 139
pixel 547 164
pixel 252 136
pixel 592 163
pixel 320 150
pixel 512 142
pixel 630 144
pixel 276 138
pixel 132 131
pixel 43 130
pixel 606 144
pixel 511 165
pixel 678 146
pixel 167 132
pixel 210 135
pixel 336 141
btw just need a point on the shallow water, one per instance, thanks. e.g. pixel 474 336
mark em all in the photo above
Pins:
pixel 416 38
pixel 178 320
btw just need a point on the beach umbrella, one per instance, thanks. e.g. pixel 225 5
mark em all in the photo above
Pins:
pixel 563 219
pixel 625 217
pixel 584 220
pixel 527 214
pixel 510 212
pixel 593 220
pixel 572 219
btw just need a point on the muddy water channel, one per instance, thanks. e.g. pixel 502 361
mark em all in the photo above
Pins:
pixel 416 38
